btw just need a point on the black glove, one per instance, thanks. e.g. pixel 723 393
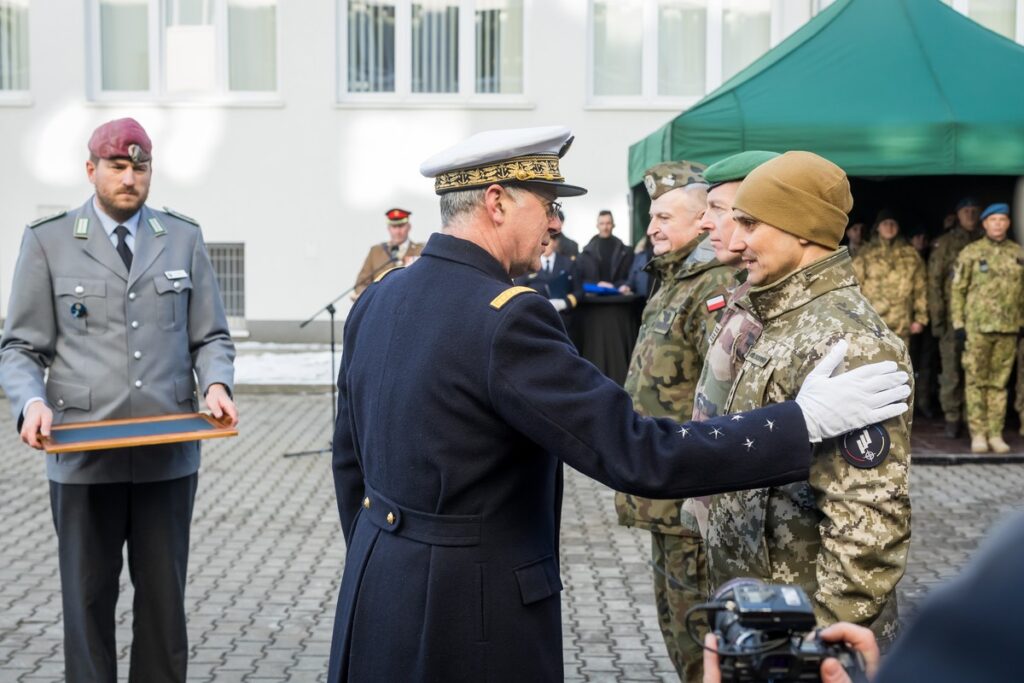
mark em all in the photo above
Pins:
pixel 960 334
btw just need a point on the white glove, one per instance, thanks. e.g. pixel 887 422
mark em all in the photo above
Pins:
pixel 559 304
pixel 863 396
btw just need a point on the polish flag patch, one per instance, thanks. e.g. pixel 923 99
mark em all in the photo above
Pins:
pixel 715 303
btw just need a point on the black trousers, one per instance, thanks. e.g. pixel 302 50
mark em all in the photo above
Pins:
pixel 93 523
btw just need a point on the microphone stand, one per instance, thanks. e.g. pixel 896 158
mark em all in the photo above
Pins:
pixel 331 310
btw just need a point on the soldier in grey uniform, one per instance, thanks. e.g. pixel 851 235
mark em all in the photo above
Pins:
pixel 120 304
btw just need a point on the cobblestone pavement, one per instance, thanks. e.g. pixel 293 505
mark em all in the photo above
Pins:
pixel 267 558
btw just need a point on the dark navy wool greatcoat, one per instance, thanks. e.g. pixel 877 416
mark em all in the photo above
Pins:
pixel 454 409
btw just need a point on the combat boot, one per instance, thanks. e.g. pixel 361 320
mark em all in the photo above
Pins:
pixel 979 444
pixel 998 445
pixel 952 429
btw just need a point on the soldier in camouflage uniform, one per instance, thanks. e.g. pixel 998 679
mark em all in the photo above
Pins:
pixel 892 277
pixel 662 376
pixel 986 312
pixel 940 279
pixel 843 534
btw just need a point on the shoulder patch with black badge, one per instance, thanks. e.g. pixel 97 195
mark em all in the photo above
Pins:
pixel 866 448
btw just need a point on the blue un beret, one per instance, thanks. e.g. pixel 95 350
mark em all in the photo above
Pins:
pixel 1000 207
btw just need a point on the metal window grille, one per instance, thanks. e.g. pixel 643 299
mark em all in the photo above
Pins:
pixel 229 265
pixel 371 46
pixel 13 44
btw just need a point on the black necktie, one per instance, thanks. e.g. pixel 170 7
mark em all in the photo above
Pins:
pixel 122 246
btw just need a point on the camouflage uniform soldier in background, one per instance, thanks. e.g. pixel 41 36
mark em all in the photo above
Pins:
pixel 892 277
pixel 986 312
pixel 662 376
pixel 843 534
pixel 940 279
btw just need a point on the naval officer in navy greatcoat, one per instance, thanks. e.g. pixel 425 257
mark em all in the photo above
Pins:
pixel 458 395
pixel 119 303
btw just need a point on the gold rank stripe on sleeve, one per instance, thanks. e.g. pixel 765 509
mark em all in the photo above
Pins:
pixel 386 273
pixel 512 292
pixel 572 300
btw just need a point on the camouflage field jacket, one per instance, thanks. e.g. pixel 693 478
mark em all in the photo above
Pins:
pixel 843 534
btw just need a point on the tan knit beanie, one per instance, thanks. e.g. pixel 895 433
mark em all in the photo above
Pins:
pixel 801 193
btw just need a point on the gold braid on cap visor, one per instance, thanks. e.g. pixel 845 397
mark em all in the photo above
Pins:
pixel 520 169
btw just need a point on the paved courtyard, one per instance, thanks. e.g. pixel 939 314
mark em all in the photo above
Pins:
pixel 267 557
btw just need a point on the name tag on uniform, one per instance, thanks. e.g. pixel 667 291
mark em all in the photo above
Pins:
pixel 175 274
pixel 983 266
pixel 664 322
pixel 757 359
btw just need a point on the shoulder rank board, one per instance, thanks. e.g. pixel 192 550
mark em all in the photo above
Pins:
pixel 187 219
pixel 46 219
pixel 512 292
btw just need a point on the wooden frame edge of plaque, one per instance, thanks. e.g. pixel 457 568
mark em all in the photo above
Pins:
pixel 220 430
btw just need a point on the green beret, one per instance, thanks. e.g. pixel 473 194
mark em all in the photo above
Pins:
pixel 736 167
pixel 671 175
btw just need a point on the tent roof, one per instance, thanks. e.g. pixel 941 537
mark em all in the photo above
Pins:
pixel 881 87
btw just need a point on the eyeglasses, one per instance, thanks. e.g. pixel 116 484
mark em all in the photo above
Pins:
pixel 552 208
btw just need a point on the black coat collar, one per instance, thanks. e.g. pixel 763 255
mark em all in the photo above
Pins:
pixel 464 252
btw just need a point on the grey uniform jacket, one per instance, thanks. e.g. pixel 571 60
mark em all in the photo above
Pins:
pixel 133 352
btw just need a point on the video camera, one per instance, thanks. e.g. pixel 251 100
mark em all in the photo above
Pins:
pixel 762 631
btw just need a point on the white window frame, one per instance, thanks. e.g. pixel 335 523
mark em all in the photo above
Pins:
pixel 157 92
pixel 21 98
pixel 403 96
pixel 648 98
pixel 964 8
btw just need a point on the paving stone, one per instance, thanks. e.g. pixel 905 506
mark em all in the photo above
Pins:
pixel 267 556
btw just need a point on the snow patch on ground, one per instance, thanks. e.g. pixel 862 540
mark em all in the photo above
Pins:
pixel 265 363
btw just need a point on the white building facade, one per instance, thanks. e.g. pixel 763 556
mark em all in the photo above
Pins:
pixel 288 127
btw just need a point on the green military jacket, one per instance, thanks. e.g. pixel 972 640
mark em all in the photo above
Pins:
pixel 941 262
pixel 988 287
pixel 892 277
pixel 843 534
pixel 667 359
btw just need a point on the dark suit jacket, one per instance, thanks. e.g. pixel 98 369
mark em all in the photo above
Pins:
pixel 590 259
pixel 454 407
pixel 561 283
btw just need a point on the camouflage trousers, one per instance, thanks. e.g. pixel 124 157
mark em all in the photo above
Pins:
pixel 680 582
pixel 988 359
pixel 1018 399
pixel 951 379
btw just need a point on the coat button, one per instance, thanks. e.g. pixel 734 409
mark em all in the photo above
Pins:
pixel 79 289
pixel 138 384
pixel 131 296
pixel 60 402
pixel 135 324
pixel 137 354
pixel 391 518
pixel 366 502
pixel 177 285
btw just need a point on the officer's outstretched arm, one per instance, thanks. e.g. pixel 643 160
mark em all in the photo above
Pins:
pixel 864 396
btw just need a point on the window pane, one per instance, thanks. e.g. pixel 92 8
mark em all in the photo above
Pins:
pixel 252 45
pixel 13 44
pixel 997 15
pixel 371 46
pixel 435 46
pixel 190 46
pixel 124 44
pixel 682 32
pixel 746 33
pixel 618 47
pixel 499 46
pixel 189 12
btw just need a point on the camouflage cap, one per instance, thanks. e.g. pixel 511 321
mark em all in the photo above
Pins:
pixel 671 175
pixel 736 167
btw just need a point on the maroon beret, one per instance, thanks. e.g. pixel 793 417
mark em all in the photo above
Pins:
pixel 121 139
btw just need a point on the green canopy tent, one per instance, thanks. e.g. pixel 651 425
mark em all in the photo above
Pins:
pixel 883 88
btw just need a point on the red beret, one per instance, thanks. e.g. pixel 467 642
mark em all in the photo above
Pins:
pixel 398 216
pixel 121 139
